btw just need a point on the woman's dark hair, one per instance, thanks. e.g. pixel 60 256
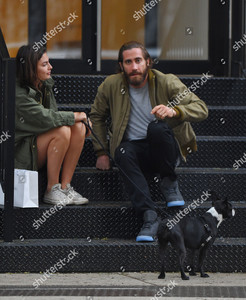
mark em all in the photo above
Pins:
pixel 26 64
pixel 131 45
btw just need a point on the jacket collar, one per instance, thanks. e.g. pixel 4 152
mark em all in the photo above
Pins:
pixel 47 84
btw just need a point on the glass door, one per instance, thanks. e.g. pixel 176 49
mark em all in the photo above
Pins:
pixel 84 36
pixel 179 34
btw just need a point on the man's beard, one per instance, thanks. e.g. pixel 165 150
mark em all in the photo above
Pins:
pixel 136 81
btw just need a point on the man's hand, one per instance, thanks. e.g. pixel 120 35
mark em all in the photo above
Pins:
pixel 161 111
pixel 103 162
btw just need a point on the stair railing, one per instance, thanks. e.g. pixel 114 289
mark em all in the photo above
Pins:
pixel 7 136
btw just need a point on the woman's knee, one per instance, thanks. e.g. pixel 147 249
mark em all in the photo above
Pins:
pixel 63 132
pixel 60 133
pixel 78 130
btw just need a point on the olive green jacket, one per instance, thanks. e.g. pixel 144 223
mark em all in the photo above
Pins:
pixel 35 113
pixel 112 100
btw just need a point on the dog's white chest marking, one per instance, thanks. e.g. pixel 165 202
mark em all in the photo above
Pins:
pixel 215 214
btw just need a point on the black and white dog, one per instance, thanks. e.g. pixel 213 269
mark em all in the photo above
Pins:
pixel 196 233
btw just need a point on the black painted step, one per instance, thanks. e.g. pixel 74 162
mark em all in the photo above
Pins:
pixel 216 91
pixel 109 220
pixel 214 152
pixel 102 234
pixel 222 121
pixel 108 186
pixel 82 255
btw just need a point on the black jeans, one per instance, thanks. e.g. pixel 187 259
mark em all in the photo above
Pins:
pixel 158 153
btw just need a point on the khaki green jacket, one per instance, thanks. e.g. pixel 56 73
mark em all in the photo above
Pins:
pixel 113 100
pixel 35 113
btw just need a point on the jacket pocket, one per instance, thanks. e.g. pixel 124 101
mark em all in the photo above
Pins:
pixel 23 155
pixel 186 138
pixel 184 133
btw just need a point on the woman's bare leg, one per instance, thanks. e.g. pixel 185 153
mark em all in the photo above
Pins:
pixel 73 153
pixel 52 148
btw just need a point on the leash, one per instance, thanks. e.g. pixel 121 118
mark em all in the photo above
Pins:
pixel 207 236
pixel 88 127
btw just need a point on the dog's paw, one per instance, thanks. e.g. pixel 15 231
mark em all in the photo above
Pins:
pixel 161 276
pixel 192 273
pixel 185 277
pixel 204 275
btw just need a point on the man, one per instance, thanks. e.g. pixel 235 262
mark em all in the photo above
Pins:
pixel 147 134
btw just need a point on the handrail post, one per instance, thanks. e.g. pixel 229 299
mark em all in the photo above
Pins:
pixel 99 33
pixel 9 126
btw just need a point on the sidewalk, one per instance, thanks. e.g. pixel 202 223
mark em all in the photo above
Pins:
pixel 102 286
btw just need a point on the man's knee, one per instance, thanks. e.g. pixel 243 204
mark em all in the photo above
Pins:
pixel 118 153
pixel 123 152
pixel 159 131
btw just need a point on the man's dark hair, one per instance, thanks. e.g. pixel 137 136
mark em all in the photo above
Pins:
pixel 131 45
pixel 26 64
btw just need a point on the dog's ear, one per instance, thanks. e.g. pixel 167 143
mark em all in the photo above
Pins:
pixel 225 201
pixel 214 197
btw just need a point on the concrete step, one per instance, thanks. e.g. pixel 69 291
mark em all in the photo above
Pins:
pixel 121 286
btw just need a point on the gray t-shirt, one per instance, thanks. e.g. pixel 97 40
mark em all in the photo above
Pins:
pixel 140 115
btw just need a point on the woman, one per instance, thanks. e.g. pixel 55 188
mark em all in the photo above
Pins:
pixel 43 134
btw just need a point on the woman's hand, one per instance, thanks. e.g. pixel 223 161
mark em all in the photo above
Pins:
pixel 80 116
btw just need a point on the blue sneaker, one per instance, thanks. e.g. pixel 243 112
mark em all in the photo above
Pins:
pixel 149 228
pixel 170 190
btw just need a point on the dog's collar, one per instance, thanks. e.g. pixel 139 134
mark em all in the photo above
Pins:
pixel 215 214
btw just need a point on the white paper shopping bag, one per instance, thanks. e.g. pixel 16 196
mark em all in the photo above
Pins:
pixel 1 195
pixel 25 188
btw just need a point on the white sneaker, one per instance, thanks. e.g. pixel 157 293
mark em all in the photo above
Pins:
pixel 73 196
pixel 57 196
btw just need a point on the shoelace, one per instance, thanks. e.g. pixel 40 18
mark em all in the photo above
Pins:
pixel 71 191
pixel 56 190
pixel 146 225
pixel 171 191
